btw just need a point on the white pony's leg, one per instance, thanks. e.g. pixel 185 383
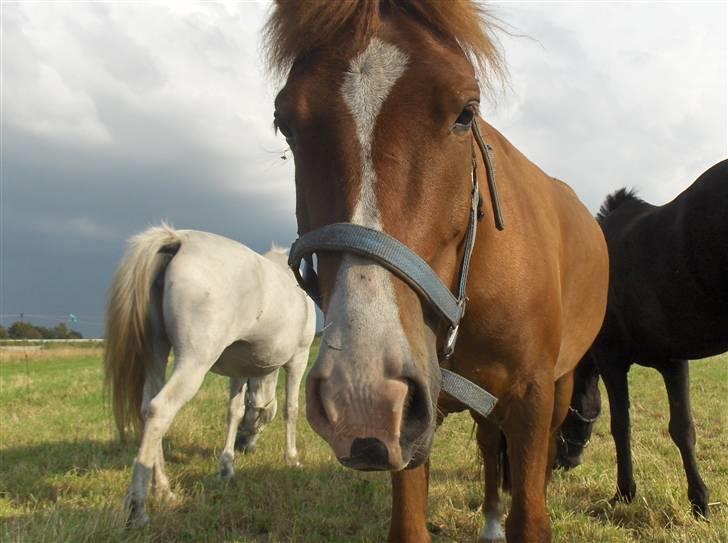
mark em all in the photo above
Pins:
pixel 236 410
pixel 260 409
pixel 181 387
pixel 153 383
pixel 294 374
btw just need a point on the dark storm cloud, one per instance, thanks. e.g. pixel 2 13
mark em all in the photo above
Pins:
pixel 63 236
pixel 104 135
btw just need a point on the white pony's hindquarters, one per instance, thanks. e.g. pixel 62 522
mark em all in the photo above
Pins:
pixel 127 331
pixel 218 296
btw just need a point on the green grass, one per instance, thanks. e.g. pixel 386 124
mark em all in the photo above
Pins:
pixel 63 476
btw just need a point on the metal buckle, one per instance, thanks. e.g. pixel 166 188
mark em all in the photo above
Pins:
pixel 450 339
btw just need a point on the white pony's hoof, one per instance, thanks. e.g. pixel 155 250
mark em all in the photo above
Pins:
pixel 167 496
pixel 137 521
pixel 136 515
pixel 492 532
pixel 226 472
pixel 163 493
pixel 292 462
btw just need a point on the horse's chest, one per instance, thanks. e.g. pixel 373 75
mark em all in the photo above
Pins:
pixel 249 359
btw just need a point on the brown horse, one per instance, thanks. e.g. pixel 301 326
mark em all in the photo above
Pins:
pixel 378 108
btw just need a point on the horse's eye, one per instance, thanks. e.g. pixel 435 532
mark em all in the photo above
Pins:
pixel 283 128
pixel 465 119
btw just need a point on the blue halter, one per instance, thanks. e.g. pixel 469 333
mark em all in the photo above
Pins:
pixel 409 266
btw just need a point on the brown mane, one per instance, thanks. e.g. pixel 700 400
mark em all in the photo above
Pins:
pixel 297 27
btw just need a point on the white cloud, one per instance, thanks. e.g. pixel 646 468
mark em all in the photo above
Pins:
pixel 606 95
pixel 158 83
pixel 602 95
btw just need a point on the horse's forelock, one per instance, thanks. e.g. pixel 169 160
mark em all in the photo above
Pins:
pixel 296 28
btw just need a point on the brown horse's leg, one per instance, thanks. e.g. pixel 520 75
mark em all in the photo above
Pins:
pixel 527 429
pixel 682 431
pixel 489 441
pixel 409 505
pixel 562 400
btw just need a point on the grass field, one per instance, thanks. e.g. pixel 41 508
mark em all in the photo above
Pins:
pixel 63 476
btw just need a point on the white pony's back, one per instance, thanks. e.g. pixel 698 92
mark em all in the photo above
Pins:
pixel 215 286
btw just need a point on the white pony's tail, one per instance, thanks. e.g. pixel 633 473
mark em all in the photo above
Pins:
pixel 128 348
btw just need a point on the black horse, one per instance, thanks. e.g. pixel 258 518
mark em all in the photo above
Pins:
pixel 668 303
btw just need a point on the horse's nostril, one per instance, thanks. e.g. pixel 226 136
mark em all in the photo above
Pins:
pixel 416 412
pixel 368 451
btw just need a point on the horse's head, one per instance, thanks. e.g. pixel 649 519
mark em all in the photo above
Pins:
pixel 377 109
pixel 586 404
pixel 261 407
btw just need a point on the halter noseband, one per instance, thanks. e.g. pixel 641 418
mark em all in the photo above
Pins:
pixel 583 418
pixel 581 443
pixel 410 267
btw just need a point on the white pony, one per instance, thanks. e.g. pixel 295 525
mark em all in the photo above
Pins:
pixel 221 307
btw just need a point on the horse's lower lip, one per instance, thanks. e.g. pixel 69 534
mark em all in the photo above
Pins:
pixel 418 457
pixel 361 465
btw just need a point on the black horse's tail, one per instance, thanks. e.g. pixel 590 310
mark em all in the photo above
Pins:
pixel 504 465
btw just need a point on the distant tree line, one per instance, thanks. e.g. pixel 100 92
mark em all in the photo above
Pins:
pixel 26 330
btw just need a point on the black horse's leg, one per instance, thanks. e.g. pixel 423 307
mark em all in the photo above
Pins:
pixel 682 431
pixel 615 381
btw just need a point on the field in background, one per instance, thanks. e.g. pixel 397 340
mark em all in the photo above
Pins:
pixel 27 350
pixel 63 476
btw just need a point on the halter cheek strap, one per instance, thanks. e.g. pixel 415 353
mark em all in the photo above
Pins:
pixel 490 174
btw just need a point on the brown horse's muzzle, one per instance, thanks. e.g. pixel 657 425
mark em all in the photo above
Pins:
pixel 376 420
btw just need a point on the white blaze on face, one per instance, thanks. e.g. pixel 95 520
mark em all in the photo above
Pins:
pixel 363 316
pixel 366 86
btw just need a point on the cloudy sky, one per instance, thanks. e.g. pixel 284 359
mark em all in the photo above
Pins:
pixel 117 115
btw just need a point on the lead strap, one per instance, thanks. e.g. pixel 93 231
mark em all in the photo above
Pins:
pixel 490 174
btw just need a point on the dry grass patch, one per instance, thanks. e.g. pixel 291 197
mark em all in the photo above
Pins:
pixel 37 352
pixel 63 475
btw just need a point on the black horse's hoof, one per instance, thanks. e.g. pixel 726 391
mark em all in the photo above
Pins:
pixel 701 510
pixel 624 496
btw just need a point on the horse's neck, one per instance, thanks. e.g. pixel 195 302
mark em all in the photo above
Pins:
pixel 280 289
pixel 628 218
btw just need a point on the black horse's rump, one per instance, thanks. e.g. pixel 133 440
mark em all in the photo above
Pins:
pixel 668 303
